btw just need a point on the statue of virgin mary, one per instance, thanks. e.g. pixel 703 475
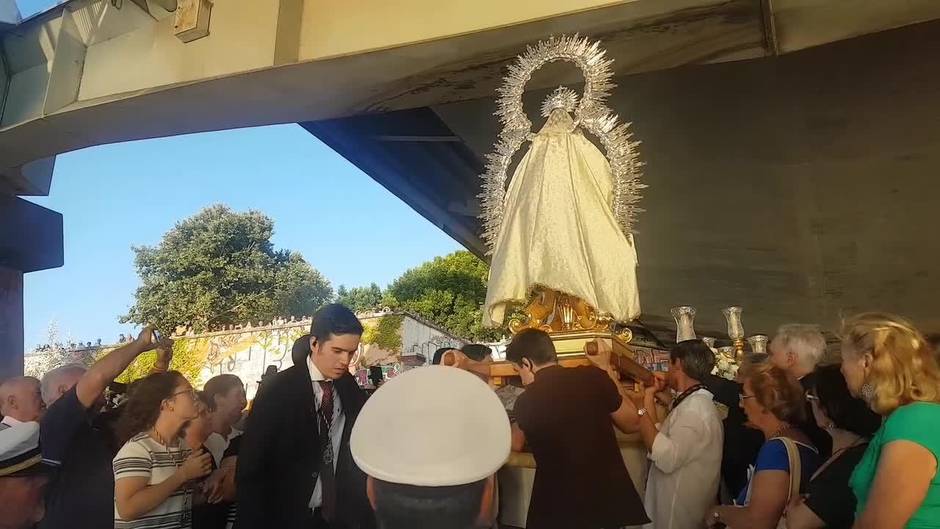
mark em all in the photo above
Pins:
pixel 555 226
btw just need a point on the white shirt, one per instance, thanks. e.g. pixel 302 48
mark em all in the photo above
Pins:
pixel 216 444
pixel 336 428
pixel 142 457
pixel 686 455
pixel 9 422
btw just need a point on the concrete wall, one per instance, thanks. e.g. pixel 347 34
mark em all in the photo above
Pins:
pixel 802 187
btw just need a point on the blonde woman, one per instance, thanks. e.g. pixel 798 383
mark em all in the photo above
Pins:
pixel 891 367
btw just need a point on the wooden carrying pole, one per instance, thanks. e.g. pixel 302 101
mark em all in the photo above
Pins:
pixel 627 367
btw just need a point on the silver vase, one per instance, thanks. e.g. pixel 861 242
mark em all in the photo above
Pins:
pixel 735 325
pixel 758 343
pixel 685 318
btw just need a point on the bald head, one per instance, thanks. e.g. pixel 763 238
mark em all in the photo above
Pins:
pixel 59 381
pixel 21 399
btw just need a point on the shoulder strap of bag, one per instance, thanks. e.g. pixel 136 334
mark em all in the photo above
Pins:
pixel 796 469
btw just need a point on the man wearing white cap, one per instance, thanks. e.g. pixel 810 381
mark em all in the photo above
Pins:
pixel 431 441
pixel 22 477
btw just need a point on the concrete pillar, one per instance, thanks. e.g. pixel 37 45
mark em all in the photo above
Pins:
pixel 11 322
pixel 30 240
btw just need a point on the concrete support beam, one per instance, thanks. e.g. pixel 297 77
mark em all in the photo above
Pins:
pixel 11 322
pixel 9 14
pixel 30 240
pixel 90 72
pixel 30 235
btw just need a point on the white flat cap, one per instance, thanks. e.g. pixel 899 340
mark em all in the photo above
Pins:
pixel 19 448
pixel 433 426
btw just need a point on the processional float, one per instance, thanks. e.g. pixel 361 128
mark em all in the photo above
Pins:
pixel 560 230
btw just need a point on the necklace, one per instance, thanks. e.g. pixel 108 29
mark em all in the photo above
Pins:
pixel 684 395
pixel 174 454
pixel 177 457
pixel 159 438
pixel 836 453
pixel 779 432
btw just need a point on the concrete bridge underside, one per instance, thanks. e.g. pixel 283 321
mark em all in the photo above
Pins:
pixel 793 185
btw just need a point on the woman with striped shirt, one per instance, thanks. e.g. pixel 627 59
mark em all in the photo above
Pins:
pixel 154 470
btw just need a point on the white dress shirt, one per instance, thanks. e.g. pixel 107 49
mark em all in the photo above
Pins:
pixel 8 422
pixel 686 456
pixel 216 444
pixel 336 428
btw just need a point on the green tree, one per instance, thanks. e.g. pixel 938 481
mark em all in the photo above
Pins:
pixel 219 267
pixel 448 291
pixel 360 299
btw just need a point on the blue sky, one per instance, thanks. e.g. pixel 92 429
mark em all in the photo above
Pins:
pixel 31 7
pixel 113 197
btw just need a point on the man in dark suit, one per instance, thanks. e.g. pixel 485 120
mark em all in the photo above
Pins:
pixel 295 469
pixel 741 444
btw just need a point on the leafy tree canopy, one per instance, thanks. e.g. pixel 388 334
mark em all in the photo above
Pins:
pixel 448 291
pixel 219 267
pixel 360 299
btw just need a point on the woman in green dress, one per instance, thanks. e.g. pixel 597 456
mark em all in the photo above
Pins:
pixel 888 363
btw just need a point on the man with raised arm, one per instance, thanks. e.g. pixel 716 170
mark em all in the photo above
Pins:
pixel 81 492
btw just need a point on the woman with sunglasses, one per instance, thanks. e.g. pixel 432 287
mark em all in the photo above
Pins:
pixel 773 402
pixel 829 501
pixel 154 469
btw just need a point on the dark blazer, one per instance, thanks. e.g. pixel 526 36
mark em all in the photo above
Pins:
pixel 280 456
pixel 819 437
pixel 741 444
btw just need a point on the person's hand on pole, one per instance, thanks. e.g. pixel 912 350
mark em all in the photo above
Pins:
pixel 599 353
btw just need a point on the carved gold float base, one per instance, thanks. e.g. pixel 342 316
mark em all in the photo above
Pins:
pixel 570 349
pixel 555 312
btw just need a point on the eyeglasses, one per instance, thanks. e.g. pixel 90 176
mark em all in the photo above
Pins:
pixel 191 392
pixel 810 396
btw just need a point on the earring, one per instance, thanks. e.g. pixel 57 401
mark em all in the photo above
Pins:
pixel 868 392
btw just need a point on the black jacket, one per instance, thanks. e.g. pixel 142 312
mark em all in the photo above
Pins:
pixel 741 444
pixel 280 456
pixel 819 437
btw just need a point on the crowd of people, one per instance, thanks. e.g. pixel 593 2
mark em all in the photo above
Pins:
pixel 791 444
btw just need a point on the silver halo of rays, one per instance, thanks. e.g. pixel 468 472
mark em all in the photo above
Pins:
pixel 590 112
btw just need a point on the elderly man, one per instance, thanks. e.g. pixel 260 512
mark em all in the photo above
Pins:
pixel 426 467
pixel 798 348
pixel 22 479
pixel 20 401
pixel 81 493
